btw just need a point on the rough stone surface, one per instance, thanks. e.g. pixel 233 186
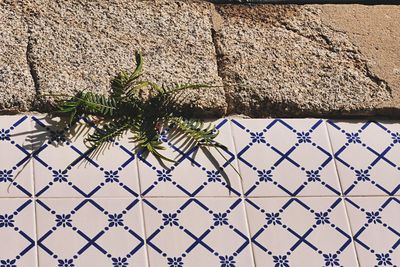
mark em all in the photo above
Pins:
pixel 274 60
pixel 376 32
pixel 284 61
pixel 82 44
pixel 16 86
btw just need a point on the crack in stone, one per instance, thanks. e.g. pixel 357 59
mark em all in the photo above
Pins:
pixel 330 47
pixel 328 43
pixel 378 81
pixel 32 68
pixel 218 56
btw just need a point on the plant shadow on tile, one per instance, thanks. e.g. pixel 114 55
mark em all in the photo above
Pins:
pixel 15 171
pixel 194 173
pixel 63 170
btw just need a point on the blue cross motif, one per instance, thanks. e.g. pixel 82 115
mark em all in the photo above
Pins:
pixel 175 262
pixel 373 217
pixel 304 137
pixel 63 220
pixel 396 138
pixel 383 259
pixel 213 176
pixel 331 259
pixel 170 219
pixel 8 263
pixel 264 175
pixel 281 261
pixel 6 221
pixel 362 175
pixel 60 176
pixel 5 135
pixel 5 176
pixel 321 218
pixel 273 218
pixel 353 138
pixel 313 176
pixel 111 176
pixel 115 220
pixel 119 262
pixel 227 261
pixel 257 137
pixel 66 263
pixel 220 219
pixel 163 175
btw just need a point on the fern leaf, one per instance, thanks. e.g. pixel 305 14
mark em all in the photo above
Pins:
pixel 97 104
pixel 125 80
pixel 139 67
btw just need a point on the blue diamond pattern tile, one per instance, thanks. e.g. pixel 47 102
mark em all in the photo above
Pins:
pixel 16 179
pixel 17 233
pixel 197 232
pixel 310 192
pixel 111 173
pixel 375 225
pixel 367 157
pixel 196 172
pixel 285 157
pixel 300 232
pixel 90 232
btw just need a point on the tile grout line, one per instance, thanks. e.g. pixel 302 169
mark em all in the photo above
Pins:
pixel 201 197
pixel 34 198
pixel 333 156
pixel 210 196
pixel 343 198
pixel 142 213
pixel 242 195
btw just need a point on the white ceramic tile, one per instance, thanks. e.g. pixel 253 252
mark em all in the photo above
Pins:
pixel 17 233
pixel 197 232
pixel 15 164
pixel 90 232
pixel 111 173
pixel 375 223
pixel 300 232
pixel 195 172
pixel 285 157
pixel 367 157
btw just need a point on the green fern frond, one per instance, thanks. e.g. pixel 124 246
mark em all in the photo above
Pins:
pixel 125 110
pixel 124 80
pixel 89 104
pixel 95 103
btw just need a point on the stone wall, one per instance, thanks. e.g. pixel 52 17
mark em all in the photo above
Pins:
pixel 272 60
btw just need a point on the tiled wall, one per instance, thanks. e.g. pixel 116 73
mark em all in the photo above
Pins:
pixel 310 193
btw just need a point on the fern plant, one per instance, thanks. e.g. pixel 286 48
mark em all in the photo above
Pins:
pixel 124 110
